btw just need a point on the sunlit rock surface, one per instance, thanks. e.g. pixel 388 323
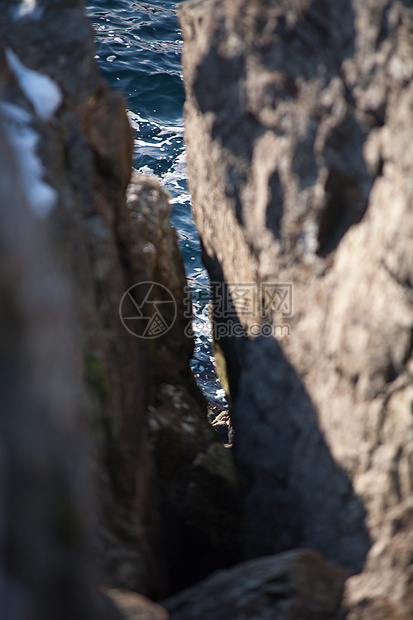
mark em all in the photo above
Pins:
pixel 298 134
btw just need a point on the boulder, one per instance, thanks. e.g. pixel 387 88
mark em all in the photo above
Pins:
pixel 288 586
pixel 298 132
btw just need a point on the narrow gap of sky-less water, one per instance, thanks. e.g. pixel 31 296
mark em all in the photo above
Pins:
pixel 138 49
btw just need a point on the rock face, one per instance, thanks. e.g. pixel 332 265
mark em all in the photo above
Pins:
pixel 137 607
pixel 86 150
pixel 197 481
pixel 294 584
pixel 73 148
pixel 46 498
pixel 299 157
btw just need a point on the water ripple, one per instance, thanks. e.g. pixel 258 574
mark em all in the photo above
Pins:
pixel 138 47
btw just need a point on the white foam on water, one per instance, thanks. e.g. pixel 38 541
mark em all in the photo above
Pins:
pixel 159 148
pixel 146 170
pixel 177 174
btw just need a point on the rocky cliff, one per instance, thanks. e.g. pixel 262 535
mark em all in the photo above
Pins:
pixel 298 135
pixel 299 161
pixel 46 497
pixel 159 474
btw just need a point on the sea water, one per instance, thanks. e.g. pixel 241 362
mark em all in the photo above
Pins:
pixel 138 48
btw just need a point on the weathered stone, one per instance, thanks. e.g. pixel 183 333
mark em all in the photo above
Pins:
pixel 299 155
pixel 46 493
pixel 86 149
pixel 199 487
pixel 291 585
pixel 197 541
pixel 220 418
pixel 108 243
pixel 136 607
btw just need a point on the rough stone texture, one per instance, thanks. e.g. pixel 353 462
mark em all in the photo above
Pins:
pixel 298 133
pixel 288 586
pixel 108 242
pixel 86 149
pixel 136 607
pixel 220 418
pixel 46 498
pixel 140 391
pixel 197 480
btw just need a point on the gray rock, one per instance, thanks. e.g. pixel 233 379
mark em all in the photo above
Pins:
pixel 136 607
pixel 291 585
pixel 47 499
pixel 86 149
pixel 299 165
pixel 199 503
pixel 109 240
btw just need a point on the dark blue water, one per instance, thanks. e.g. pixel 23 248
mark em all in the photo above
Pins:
pixel 138 49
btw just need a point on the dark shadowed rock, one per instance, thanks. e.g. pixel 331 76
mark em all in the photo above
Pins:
pixel 291 585
pixel 46 496
pixel 80 144
pixel 86 150
pixel 197 480
pixel 298 132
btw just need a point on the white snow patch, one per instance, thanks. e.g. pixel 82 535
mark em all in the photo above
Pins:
pixel 40 196
pixel 42 92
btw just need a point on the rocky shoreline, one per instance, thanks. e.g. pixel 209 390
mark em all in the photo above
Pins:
pixel 114 485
